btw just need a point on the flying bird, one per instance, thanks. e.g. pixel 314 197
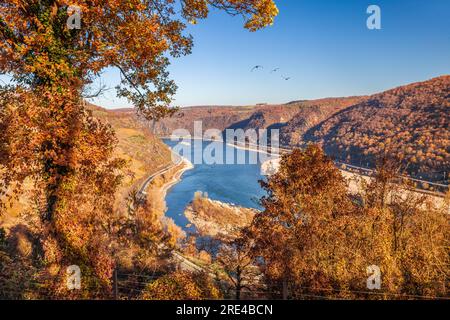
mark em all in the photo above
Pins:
pixel 286 78
pixel 275 70
pixel 256 68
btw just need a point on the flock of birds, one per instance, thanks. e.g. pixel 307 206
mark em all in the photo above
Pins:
pixel 258 67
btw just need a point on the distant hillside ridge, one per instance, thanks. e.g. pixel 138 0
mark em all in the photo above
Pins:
pixel 409 122
pixel 248 117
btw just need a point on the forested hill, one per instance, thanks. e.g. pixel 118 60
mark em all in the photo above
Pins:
pixel 144 152
pixel 253 117
pixel 410 122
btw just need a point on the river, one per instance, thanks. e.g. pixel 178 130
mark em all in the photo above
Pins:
pixel 230 183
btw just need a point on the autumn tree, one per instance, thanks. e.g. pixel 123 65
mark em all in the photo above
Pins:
pixel 69 161
pixel 303 198
pixel 404 233
pixel 314 239
pixel 49 138
pixel 236 260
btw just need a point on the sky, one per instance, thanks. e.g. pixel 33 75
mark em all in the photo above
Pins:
pixel 324 46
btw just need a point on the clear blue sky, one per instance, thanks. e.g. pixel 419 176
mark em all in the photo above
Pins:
pixel 323 45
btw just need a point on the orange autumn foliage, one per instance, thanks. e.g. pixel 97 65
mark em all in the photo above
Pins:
pixel 182 285
pixel 48 137
pixel 314 239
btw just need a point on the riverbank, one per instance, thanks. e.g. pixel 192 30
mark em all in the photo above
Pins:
pixel 216 219
pixel 159 186
pixel 184 166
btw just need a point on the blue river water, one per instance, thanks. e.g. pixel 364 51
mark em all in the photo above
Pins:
pixel 231 183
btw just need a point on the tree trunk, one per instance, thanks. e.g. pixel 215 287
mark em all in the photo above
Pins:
pixel 238 293
pixel 285 289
